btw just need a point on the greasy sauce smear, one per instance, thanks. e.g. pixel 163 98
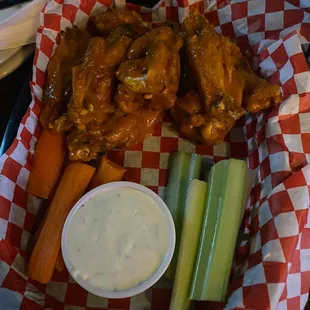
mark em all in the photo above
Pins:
pixel 117 239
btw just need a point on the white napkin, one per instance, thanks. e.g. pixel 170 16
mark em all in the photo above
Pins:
pixel 20 27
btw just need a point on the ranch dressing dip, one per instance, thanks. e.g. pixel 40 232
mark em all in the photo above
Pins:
pixel 117 239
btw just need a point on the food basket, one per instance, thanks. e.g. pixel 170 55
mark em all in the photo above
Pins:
pixel 271 269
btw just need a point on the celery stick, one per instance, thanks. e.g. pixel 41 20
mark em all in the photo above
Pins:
pixel 193 215
pixel 225 198
pixel 183 168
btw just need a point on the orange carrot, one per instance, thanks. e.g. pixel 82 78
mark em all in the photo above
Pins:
pixel 60 264
pixel 47 162
pixel 46 250
pixel 106 172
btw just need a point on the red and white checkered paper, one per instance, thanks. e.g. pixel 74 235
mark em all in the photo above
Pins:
pixel 272 263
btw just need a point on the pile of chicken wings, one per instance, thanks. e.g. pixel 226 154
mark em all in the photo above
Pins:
pixel 109 84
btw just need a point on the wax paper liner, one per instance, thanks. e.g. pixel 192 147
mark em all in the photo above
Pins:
pixel 272 264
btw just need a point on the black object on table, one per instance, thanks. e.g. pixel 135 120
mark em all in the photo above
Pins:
pixel 7 3
pixel 15 98
pixel 148 4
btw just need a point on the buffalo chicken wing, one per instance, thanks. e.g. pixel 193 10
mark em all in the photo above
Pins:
pixel 57 92
pixel 93 81
pixel 153 67
pixel 120 131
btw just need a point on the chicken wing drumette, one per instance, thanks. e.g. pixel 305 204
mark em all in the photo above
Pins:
pixel 152 67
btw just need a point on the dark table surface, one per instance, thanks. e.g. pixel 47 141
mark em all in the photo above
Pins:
pixel 15 98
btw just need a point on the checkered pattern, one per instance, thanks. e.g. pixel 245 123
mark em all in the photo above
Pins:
pixel 272 264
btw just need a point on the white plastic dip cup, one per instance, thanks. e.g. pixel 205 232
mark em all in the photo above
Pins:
pixel 158 272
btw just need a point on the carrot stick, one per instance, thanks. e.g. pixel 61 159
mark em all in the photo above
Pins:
pixel 47 162
pixel 107 171
pixel 60 264
pixel 70 189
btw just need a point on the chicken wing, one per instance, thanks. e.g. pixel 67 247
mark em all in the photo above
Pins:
pixel 132 128
pixel 153 67
pixel 258 93
pixel 93 81
pixel 203 46
pixel 57 92
pixel 226 83
pixel 121 131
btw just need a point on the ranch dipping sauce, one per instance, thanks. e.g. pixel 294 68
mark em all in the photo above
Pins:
pixel 117 239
